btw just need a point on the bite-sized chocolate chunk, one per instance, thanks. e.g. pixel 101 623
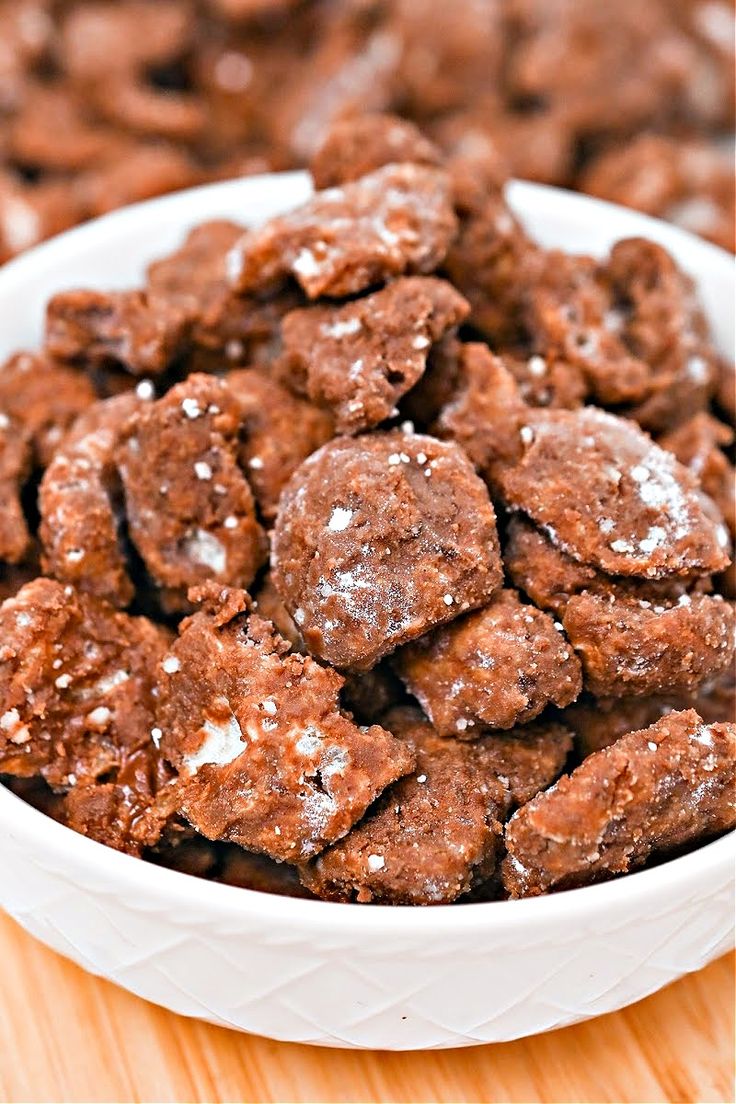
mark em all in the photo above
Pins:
pixel 145 170
pixel 15 464
pixel 652 791
pixel 430 838
pixel 266 758
pixel 449 57
pixel 99 39
pixel 550 577
pixel 190 510
pixel 127 101
pixel 569 314
pixel 496 667
pixel 525 760
pixel 194 277
pixel 357 146
pixel 689 183
pixel 224 327
pixel 631 646
pixel 396 220
pixel 251 871
pixel 118 327
pixel 80 505
pixel 129 813
pixel 608 496
pixel 45 398
pixel 698 444
pixel 662 324
pixel 33 133
pixel 485 411
pixel 277 431
pixel 380 538
pixel 359 359
pixel 77 684
pixel 488 260
pixel 598 722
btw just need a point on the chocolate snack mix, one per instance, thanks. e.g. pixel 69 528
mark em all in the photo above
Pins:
pixel 377 553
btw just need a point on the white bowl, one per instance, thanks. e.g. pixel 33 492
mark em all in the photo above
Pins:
pixel 350 975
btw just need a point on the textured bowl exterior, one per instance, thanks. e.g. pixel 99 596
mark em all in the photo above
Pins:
pixel 345 975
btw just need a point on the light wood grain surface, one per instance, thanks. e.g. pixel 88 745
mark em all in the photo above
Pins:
pixel 66 1036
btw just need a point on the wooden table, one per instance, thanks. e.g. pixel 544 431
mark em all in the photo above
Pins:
pixel 66 1036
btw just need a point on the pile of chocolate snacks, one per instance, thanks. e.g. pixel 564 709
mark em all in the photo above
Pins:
pixel 104 102
pixel 376 554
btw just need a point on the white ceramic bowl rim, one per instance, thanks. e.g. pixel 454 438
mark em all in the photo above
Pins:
pixel 146 881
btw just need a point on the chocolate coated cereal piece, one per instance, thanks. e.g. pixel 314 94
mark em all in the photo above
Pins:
pixel 119 327
pixel 190 509
pixel 359 359
pixel 44 397
pixel 15 464
pixel 488 260
pixel 650 792
pixel 608 496
pixel 99 39
pixel 598 722
pixel 266 757
pixel 80 505
pixel 698 444
pixel 550 577
pixel 46 113
pixel 77 683
pixel 569 314
pixel 430 838
pixel 355 147
pixel 526 759
pixel 351 71
pixel 397 219
pixel 450 57
pixel 689 183
pixel 662 324
pixel 277 432
pixel 147 169
pixel 225 326
pixel 380 538
pixel 496 667
pixel 628 646
pixel 128 813
pixel 137 107
pixel 485 412
pixel 193 277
